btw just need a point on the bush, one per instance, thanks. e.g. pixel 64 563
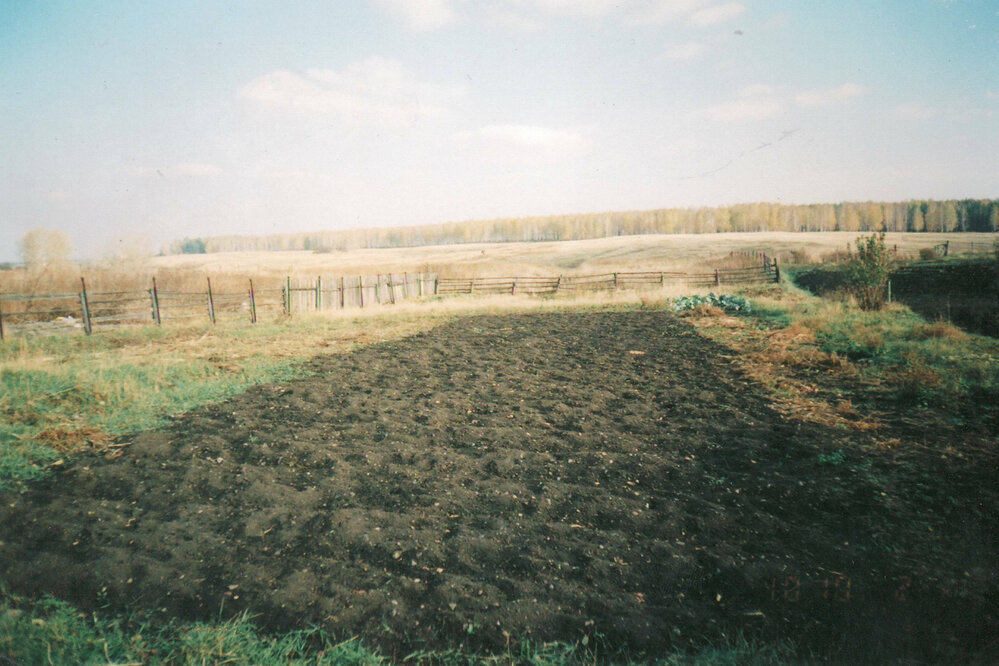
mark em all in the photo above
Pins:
pixel 927 253
pixel 866 275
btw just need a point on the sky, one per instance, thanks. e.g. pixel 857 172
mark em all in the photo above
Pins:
pixel 131 124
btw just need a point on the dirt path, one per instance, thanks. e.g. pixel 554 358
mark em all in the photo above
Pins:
pixel 529 476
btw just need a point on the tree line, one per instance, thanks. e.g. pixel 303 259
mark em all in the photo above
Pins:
pixel 980 215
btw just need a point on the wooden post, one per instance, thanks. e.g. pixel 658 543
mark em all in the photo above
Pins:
pixel 513 288
pixel 342 299
pixel 85 307
pixel 211 302
pixel 615 280
pixel 319 293
pixel 946 248
pixel 391 288
pixel 405 286
pixel 378 295
pixel 360 289
pixel 437 284
pixel 287 295
pixel 421 284
pixel 1 316
pixel 253 305
pixel 776 271
pixel 156 304
pixel 558 285
pixel 717 278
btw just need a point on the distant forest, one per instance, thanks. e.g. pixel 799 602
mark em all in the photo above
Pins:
pixel 909 216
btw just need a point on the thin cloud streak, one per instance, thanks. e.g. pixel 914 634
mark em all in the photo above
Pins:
pixel 378 90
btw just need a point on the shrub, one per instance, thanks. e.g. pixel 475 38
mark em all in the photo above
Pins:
pixel 866 275
pixel 927 253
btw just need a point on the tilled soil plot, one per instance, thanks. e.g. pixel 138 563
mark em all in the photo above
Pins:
pixel 527 476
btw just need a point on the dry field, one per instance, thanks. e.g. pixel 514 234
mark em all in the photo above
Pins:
pixel 653 252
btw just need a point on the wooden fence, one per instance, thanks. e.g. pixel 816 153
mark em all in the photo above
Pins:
pixel 359 291
pixel 768 272
pixel 88 310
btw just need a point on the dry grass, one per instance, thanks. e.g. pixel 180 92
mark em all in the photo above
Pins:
pixel 781 361
pixel 658 252
pixel 939 330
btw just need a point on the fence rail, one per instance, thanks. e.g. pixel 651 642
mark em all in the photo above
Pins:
pixel 767 272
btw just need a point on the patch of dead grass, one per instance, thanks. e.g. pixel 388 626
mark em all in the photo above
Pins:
pixel 67 440
pixel 775 359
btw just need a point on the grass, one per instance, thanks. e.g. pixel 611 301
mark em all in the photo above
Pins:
pixel 50 631
pixel 792 343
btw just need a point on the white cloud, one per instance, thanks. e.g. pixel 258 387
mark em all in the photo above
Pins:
pixel 716 14
pixel 746 108
pixel 523 141
pixel 828 96
pixel 420 15
pixel 530 14
pixel 585 8
pixel 377 90
pixel 685 51
pixel 759 101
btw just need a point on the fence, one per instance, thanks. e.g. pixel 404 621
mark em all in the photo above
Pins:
pixel 89 310
pixel 358 291
pixel 769 271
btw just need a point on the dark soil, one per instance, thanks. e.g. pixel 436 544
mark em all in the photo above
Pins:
pixel 526 477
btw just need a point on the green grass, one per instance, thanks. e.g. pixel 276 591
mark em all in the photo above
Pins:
pixel 50 631
pixel 927 362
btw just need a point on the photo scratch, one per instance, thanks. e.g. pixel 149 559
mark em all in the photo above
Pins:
pixel 786 134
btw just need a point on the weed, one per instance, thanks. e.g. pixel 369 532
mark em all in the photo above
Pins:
pixel 835 458
pixel 867 272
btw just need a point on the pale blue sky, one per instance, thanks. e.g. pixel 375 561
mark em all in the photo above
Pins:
pixel 195 118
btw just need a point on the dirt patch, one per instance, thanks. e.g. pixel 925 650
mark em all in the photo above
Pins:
pixel 524 476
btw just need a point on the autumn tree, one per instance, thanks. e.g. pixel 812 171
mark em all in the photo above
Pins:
pixel 45 251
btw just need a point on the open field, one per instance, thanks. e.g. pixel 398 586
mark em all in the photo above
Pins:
pixel 634 253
